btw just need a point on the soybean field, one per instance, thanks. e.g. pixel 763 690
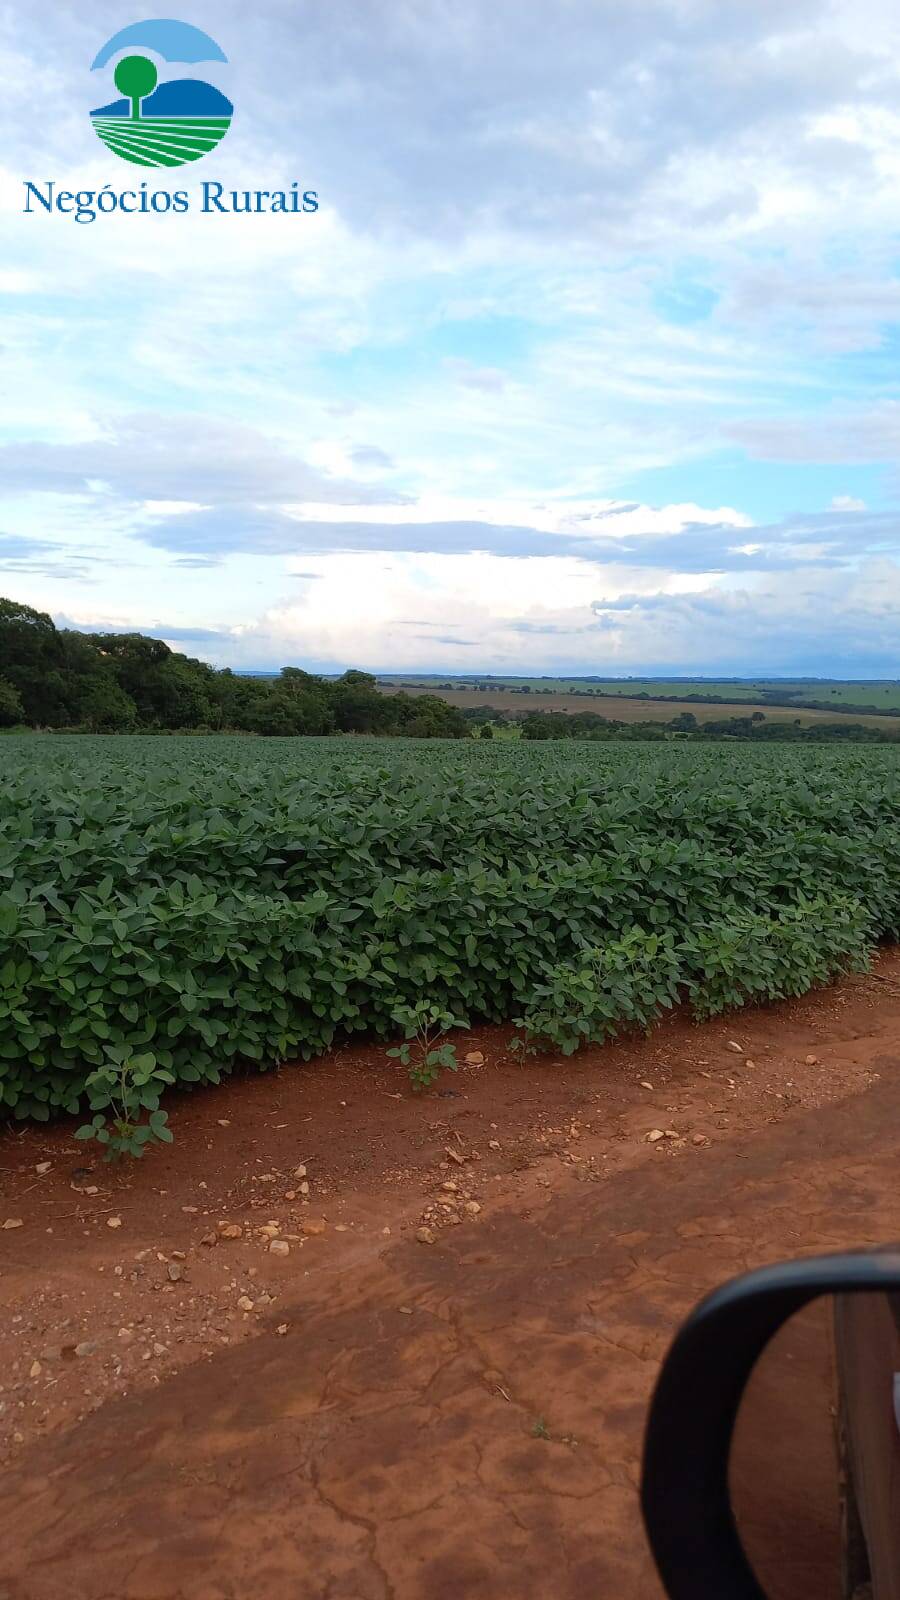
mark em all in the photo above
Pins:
pixel 206 903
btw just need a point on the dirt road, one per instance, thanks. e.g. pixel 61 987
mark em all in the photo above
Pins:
pixel 404 1420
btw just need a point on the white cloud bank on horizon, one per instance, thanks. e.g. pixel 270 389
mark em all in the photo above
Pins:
pixel 481 616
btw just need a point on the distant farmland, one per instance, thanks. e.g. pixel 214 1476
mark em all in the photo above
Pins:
pixel 622 708
pixel 878 695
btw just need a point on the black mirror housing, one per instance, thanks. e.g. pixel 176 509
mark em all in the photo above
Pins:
pixel 684 1486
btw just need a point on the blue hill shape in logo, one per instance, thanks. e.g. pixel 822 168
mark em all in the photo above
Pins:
pixel 178 122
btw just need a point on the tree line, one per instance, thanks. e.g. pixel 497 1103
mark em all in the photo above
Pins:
pixel 586 725
pixel 58 678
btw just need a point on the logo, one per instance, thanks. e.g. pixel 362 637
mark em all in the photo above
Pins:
pixel 161 121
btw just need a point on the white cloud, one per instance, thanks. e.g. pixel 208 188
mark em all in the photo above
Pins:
pixel 847 502
pixel 481 613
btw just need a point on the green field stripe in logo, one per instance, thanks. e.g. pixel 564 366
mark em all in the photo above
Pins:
pixel 154 153
pixel 170 141
pixel 132 151
pixel 143 144
pixel 129 152
pixel 147 132
pixel 145 158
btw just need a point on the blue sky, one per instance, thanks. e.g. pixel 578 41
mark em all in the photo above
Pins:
pixel 588 360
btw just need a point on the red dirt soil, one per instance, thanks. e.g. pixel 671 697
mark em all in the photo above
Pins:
pixel 371 1417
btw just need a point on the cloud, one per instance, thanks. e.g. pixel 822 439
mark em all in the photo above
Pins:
pixel 18 547
pixel 503 616
pixel 471 376
pixel 369 455
pixel 822 625
pixel 840 310
pixel 22 555
pixel 586 531
pixel 278 533
pixel 847 502
pixel 864 434
pixel 172 633
pixel 837 538
pixel 168 458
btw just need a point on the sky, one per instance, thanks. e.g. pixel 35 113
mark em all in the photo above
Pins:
pixel 587 361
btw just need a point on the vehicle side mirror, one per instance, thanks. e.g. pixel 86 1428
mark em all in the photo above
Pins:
pixel 772 1452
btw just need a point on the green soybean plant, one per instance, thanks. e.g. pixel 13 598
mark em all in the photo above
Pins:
pixel 421 1051
pixel 627 982
pixel 125 1094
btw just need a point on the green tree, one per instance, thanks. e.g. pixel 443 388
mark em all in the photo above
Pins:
pixel 234 699
pixel 277 715
pixel 290 713
pixel 310 698
pixel 135 77
pixel 104 707
pixel 11 707
pixel 358 706
pixel 30 659
pixel 426 716
pixel 140 667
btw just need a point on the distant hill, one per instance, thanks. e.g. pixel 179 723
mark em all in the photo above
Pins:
pixel 179 97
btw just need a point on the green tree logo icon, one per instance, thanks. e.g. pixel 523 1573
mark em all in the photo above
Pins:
pixel 136 77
